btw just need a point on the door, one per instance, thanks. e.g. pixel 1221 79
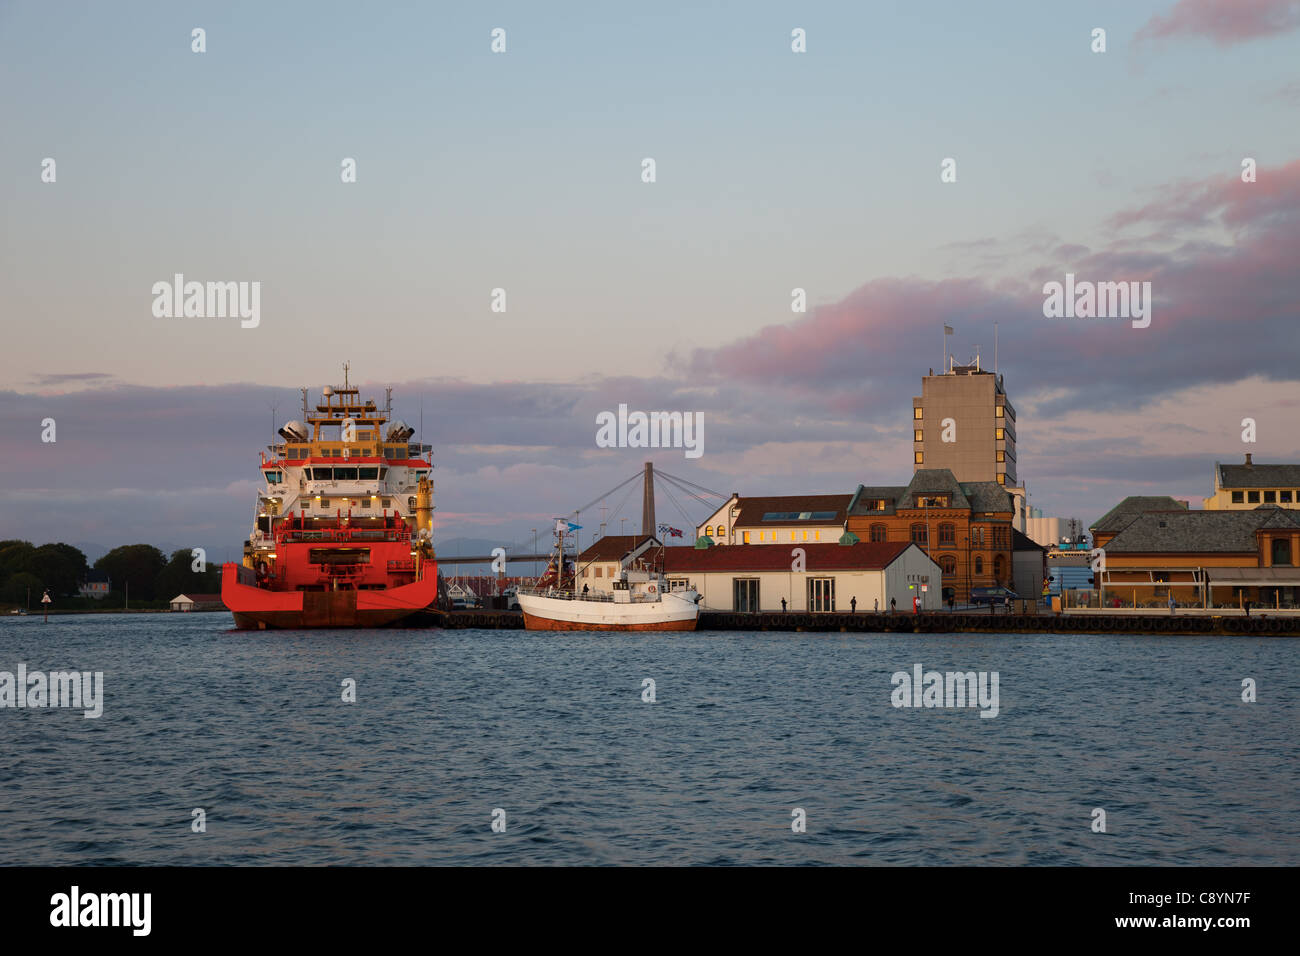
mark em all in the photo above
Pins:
pixel 745 594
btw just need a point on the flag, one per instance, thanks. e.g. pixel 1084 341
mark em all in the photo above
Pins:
pixel 668 529
pixel 574 527
pixel 947 330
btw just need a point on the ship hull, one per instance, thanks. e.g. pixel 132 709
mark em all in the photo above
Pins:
pixel 262 609
pixel 558 614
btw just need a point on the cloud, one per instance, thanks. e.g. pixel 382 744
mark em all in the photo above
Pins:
pixel 820 403
pixel 72 378
pixel 1224 21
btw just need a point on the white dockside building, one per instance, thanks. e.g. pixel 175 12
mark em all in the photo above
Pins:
pixel 817 577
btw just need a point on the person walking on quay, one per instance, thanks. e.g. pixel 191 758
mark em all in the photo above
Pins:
pixel 877 605
pixel 783 605
pixel 1171 602
pixel 854 604
pixel 893 605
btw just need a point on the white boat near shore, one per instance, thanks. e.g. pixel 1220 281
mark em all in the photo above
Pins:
pixel 641 599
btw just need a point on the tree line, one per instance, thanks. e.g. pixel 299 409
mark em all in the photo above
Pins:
pixel 153 577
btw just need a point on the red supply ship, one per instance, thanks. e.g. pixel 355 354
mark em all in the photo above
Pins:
pixel 344 523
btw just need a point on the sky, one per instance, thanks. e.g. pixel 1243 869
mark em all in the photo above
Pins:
pixel 523 171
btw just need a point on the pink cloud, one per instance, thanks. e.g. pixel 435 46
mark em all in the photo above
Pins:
pixel 1224 21
pixel 856 356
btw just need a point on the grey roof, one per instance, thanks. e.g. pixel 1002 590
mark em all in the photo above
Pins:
pixel 1199 531
pixel 936 481
pixel 890 493
pixel 986 496
pixel 1259 476
pixel 1132 506
pixel 1022 542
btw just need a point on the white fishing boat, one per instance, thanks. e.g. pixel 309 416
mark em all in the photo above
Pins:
pixel 641 598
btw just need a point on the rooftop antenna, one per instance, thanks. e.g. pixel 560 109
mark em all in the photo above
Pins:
pixel 995 349
pixel 304 403
pixel 345 375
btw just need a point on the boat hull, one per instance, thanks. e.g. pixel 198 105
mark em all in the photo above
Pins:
pixel 671 613
pixel 262 609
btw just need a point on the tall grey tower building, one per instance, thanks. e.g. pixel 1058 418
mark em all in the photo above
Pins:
pixel 963 421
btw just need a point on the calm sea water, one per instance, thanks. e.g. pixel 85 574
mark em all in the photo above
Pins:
pixel 551 728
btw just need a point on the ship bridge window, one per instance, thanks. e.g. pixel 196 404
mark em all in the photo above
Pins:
pixel 345 474
pixel 369 474
pixel 272 477
pixel 322 474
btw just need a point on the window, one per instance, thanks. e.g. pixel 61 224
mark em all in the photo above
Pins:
pixel 1002 538
pixel 600 572
pixel 805 535
pixel 388 503
pixel 916 435
pixel 1000 411
pixel 744 594
pixel 948 564
pixel 1238 498
pixel 798 515
pixel 322 502
pixel 1284 496
pixel 920 458
pixel 821 594
pixel 708 531
pixel 947 536
pixel 1002 456
pixel 999 568
pixel 345 474
pixel 1252 497
pixel 979 564
pixel 877 533
pixel 721 531
pixel 272 477
pixel 916 412
pixel 817 535
pixel 920 535
pixel 1000 434
pixel 369 474
pixel 1281 551
pixel 931 501
pixel 1270 497
pixel 746 537
pixel 977 537
pixel 1002 478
